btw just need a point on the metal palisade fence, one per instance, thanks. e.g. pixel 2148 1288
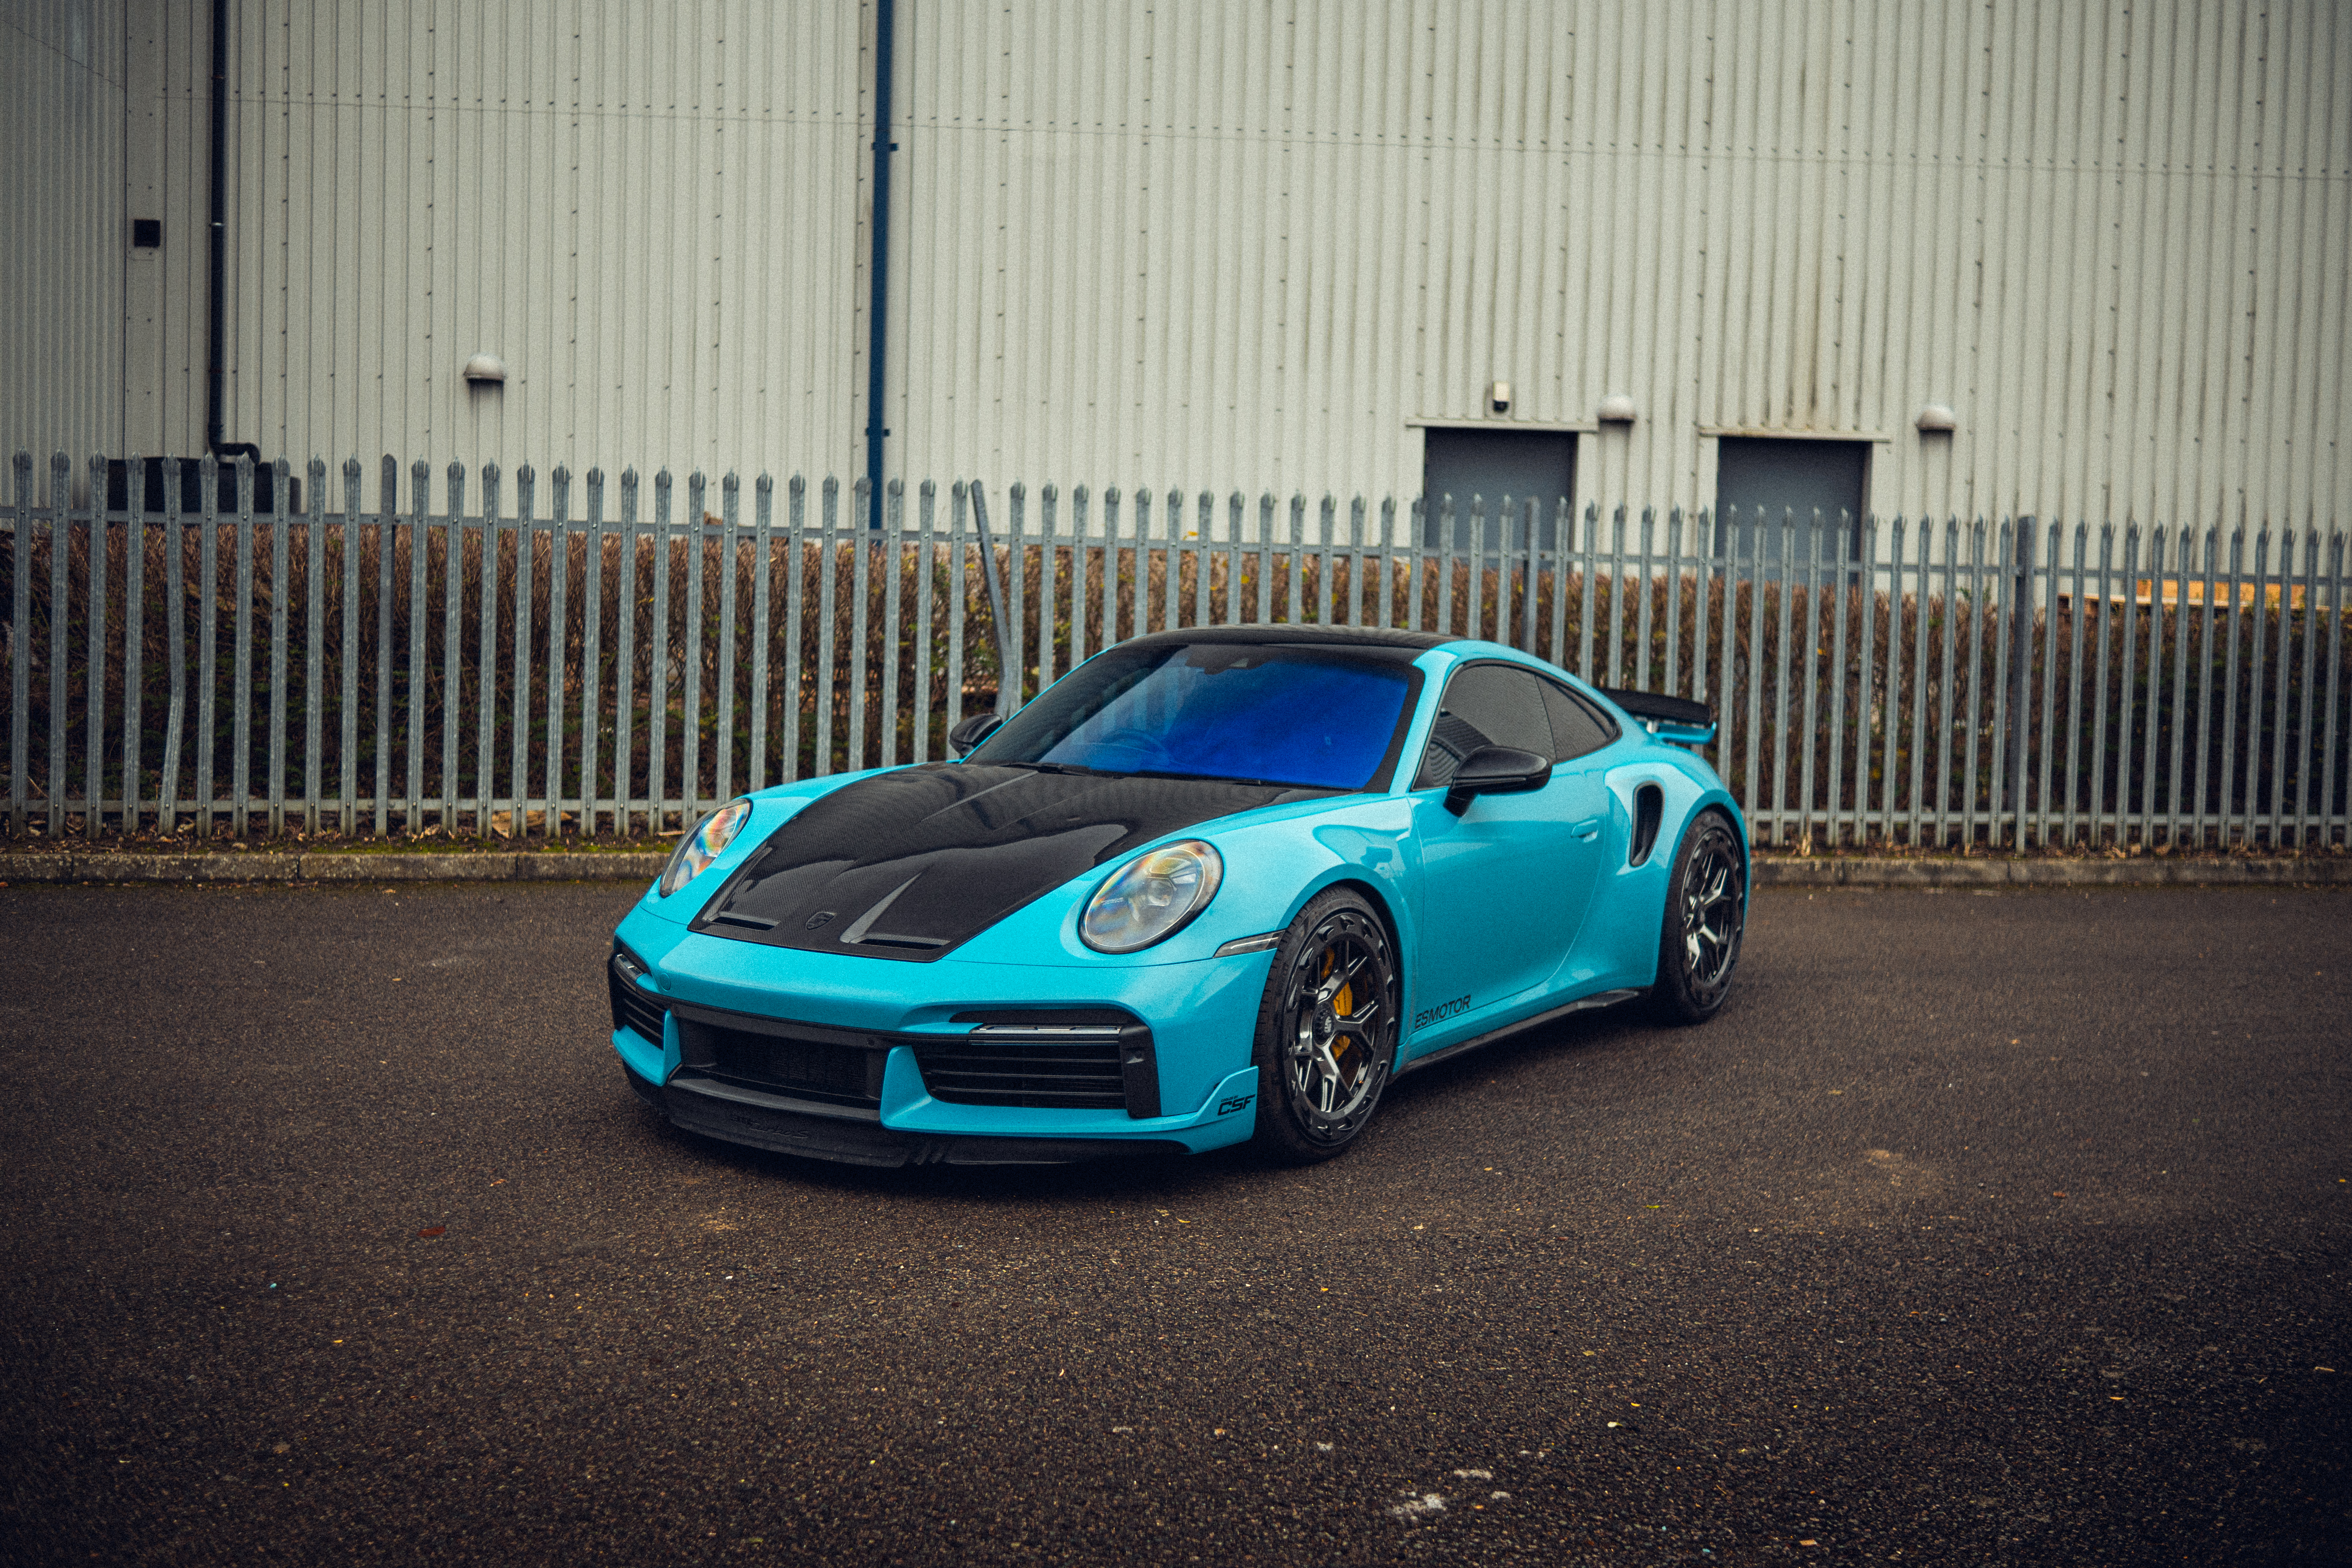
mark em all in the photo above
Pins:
pixel 229 650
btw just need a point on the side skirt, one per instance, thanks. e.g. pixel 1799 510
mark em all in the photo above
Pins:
pixel 1581 1005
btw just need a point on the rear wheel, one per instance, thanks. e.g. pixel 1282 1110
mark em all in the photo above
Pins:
pixel 1705 916
pixel 1326 1030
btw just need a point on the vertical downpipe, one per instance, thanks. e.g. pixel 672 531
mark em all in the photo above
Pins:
pixel 218 236
pixel 216 303
pixel 878 309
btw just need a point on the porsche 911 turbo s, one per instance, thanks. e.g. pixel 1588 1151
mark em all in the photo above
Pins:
pixel 1214 886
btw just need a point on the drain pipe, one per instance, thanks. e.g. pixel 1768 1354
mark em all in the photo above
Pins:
pixel 216 306
pixel 878 309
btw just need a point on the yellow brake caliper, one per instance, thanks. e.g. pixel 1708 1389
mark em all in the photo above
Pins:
pixel 1343 1005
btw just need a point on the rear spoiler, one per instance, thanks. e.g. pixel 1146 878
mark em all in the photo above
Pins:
pixel 1676 719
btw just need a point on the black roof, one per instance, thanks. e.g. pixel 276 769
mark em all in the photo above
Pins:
pixel 1298 636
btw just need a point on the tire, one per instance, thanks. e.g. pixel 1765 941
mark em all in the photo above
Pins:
pixel 1704 919
pixel 1326 1031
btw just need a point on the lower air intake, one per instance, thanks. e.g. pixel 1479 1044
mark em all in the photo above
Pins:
pixel 1067 1062
pixel 805 1070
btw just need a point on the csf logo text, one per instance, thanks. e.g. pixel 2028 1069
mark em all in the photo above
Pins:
pixel 1439 1013
pixel 1238 1102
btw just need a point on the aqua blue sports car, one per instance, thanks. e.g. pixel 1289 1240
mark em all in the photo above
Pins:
pixel 1214 886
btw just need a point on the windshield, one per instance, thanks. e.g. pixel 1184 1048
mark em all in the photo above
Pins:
pixel 1319 718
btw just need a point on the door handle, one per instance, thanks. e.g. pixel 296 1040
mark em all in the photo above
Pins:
pixel 1589 828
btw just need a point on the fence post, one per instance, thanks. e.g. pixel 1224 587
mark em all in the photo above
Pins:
pixel 453 623
pixel 2020 677
pixel 93 784
pixel 281 518
pixel 1529 571
pixel 689 708
pixel 20 693
pixel 60 618
pixel 348 753
pixel 134 604
pixel 314 630
pixel 657 664
pixel 592 653
pixel 486 658
pixel 559 638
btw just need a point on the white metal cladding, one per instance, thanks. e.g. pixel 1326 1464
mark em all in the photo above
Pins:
pixel 1231 242
pixel 643 210
pixel 63 239
pixel 1249 243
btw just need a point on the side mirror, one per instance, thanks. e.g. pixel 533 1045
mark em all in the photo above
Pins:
pixel 1496 770
pixel 975 728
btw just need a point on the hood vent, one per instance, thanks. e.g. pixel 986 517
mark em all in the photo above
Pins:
pixel 934 854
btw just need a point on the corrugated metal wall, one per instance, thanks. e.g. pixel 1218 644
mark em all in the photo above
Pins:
pixel 62 239
pixel 1244 243
pixel 1234 242
pixel 643 210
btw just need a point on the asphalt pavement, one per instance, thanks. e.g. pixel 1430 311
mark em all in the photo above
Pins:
pixel 1983 1228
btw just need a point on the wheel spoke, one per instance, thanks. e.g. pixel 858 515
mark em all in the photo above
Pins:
pixel 1330 1060
pixel 1710 915
pixel 1329 1081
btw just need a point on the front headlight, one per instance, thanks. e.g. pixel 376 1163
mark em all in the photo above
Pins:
pixel 699 848
pixel 1151 897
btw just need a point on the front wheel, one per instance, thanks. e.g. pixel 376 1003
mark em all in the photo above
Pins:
pixel 1326 1030
pixel 1706 915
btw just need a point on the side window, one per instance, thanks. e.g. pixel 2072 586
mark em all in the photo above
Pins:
pixel 1576 729
pixel 1485 705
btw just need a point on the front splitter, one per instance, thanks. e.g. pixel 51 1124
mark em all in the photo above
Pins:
pixel 851 1140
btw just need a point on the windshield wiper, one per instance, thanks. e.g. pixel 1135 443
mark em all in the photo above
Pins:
pixel 1072 768
pixel 1218 778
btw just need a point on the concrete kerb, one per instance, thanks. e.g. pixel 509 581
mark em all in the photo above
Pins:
pixel 624 867
pixel 2140 871
pixel 1771 871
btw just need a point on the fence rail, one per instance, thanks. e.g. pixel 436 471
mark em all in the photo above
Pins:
pixel 583 656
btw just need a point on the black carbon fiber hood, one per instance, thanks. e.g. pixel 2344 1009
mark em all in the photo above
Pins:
pixel 906 865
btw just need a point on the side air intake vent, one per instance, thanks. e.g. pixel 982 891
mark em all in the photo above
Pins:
pixel 1072 1059
pixel 1649 810
pixel 634 1006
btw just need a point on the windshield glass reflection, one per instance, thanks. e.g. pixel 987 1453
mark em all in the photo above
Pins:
pixel 1303 716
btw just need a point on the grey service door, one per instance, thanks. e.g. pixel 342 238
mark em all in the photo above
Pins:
pixel 1492 464
pixel 1778 483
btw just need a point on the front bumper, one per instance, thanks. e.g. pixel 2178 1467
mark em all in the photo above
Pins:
pixel 954 1063
pixel 857 1142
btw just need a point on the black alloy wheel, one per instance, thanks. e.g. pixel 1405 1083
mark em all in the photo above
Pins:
pixel 1706 915
pixel 1326 1030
